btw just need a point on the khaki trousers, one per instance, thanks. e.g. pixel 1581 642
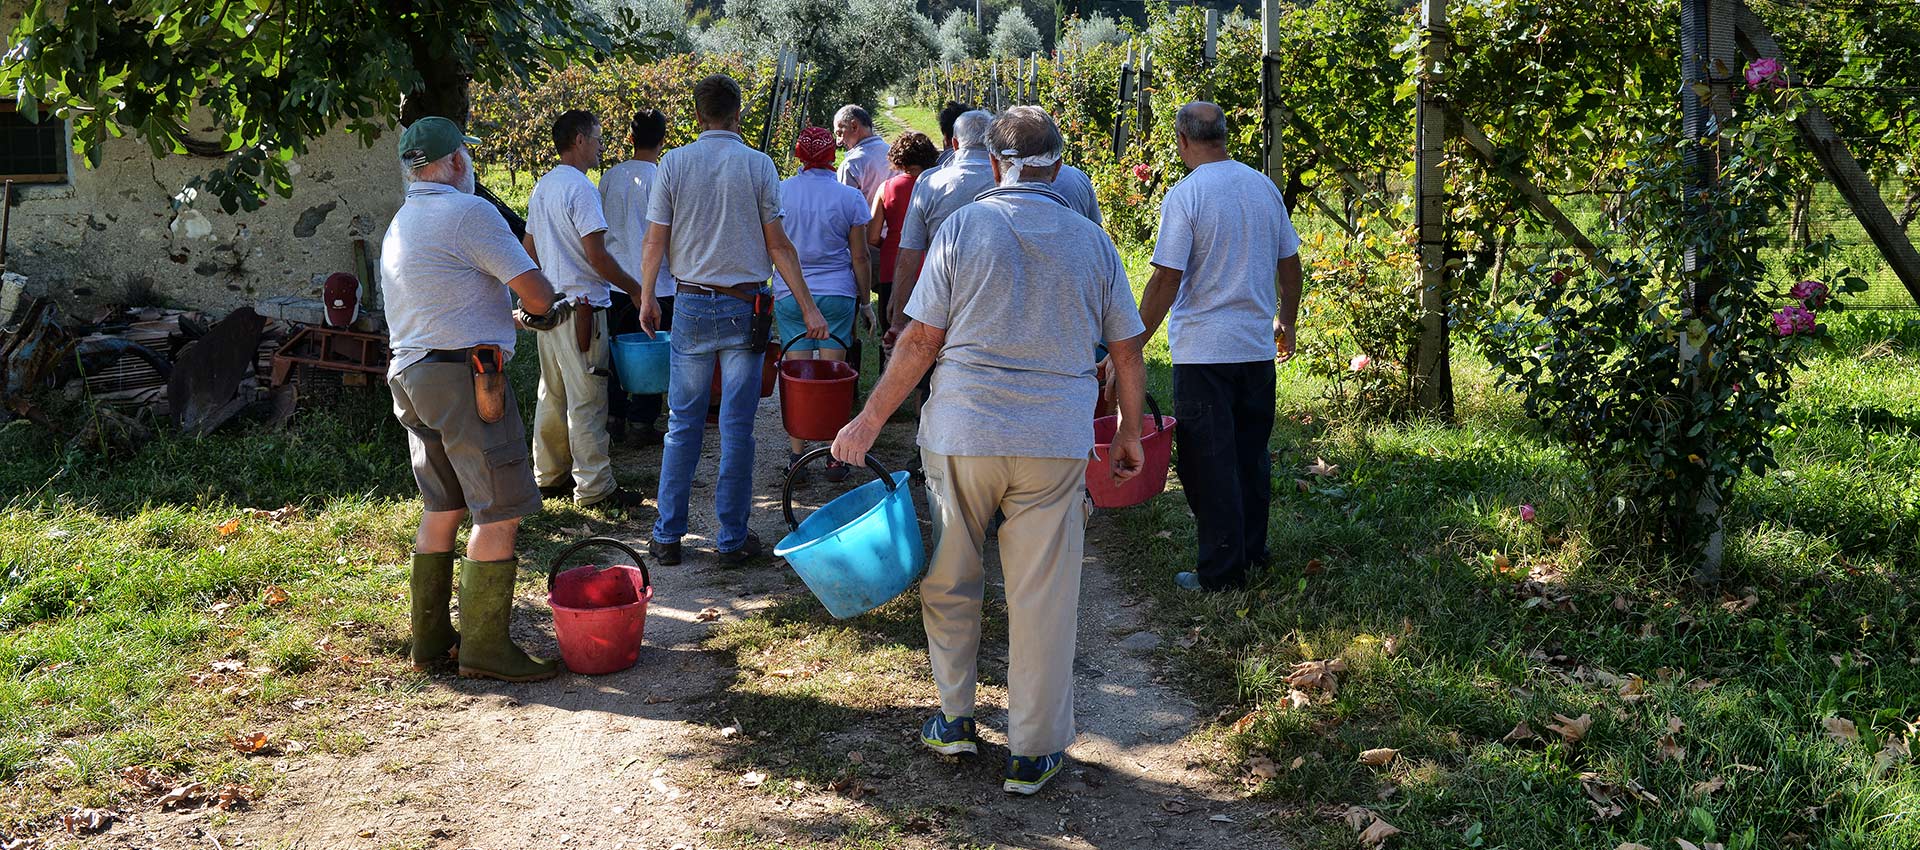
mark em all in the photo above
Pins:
pixel 1041 544
pixel 570 418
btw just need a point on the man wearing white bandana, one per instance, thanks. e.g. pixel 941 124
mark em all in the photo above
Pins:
pixel 1026 254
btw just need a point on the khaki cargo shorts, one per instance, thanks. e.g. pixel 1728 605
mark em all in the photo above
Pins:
pixel 458 460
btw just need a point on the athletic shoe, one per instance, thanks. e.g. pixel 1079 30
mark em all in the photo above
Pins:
pixel 1187 581
pixel 797 476
pixel 949 736
pixel 1028 774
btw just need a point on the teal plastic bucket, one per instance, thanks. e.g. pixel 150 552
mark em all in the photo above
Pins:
pixel 860 550
pixel 642 363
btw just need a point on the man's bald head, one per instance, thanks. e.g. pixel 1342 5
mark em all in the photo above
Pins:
pixel 1202 123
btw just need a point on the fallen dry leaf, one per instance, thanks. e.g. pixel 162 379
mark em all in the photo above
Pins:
pixel 1633 689
pixel 1298 699
pixel 784 673
pixel 1674 725
pixel 81 821
pixel 1378 757
pixel 1317 675
pixel 143 780
pixel 1358 817
pixel 231 797
pixel 1571 729
pixel 1188 640
pixel 1297 763
pixel 1246 722
pixel 256 742
pixel 752 779
pixel 1840 729
pixel 1521 732
pixel 182 796
pixel 228 665
pixel 227 529
pixel 1702 789
pixel 1303 485
pixel 1263 767
pixel 1670 750
pixel 856 757
pixel 1314 567
pixel 1378 832
pixel 276 596
pixel 1164 535
pixel 1175 806
pixel 1628 845
pixel 1321 468
pixel 707 615
pixel 1740 604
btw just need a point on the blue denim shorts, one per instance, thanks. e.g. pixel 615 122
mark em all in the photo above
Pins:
pixel 838 311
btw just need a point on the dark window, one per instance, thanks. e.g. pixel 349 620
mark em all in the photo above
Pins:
pixel 32 152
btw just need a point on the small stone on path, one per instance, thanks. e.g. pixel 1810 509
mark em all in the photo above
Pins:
pixel 1141 642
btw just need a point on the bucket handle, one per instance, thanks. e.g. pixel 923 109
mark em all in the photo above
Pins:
pixel 553 570
pixel 835 337
pixel 786 490
pixel 1158 425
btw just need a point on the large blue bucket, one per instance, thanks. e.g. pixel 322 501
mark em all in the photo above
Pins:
pixel 860 550
pixel 642 363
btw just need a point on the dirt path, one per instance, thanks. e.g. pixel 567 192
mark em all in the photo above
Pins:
pixel 645 758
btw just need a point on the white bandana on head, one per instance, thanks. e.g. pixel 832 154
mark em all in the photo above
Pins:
pixel 1011 162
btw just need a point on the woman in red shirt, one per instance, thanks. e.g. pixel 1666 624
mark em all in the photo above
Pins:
pixel 910 154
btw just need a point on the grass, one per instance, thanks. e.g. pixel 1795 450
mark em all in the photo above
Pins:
pixel 123 581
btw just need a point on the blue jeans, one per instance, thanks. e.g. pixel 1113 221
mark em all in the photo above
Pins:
pixel 707 328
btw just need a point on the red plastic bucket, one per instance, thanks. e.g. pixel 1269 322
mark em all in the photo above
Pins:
pixel 1157 444
pixel 599 613
pixel 816 396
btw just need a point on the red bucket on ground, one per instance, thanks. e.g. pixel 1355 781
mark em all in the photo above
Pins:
pixel 1156 444
pixel 816 396
pixel 599 613
pixel 768 371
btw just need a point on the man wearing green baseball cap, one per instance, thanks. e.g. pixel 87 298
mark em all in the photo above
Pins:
pixel 442 265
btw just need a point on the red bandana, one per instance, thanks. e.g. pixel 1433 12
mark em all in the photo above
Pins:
pixel 815 147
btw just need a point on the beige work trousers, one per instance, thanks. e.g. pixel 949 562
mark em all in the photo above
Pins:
pixel 1041 543
pixel 570 417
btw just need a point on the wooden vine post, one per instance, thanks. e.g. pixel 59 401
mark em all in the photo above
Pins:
pixel 1432 371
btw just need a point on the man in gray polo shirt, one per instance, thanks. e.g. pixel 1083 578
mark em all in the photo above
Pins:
pixel 865 167
pixel 442 264
pixel 715 212
pixel 936 195
pixel 1018 289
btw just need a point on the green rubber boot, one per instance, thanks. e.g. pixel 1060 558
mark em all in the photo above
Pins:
pixel 430 589
pixel 486 606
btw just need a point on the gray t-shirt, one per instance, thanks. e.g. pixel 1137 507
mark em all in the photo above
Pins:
pixel 865 167
pixel 1074 185
pixel 1025 288
pixel 717 194
pixel 624 192
pixel 1225 227
pixel 444 264
pixel 565 208
pixel 939 192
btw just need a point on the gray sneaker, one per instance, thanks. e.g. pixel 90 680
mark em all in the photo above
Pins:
pixel 1188 580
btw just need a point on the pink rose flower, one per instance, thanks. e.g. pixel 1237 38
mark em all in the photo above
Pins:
pixel 1765 72
pixel 1359 362
pixel 1143 172
pixel 1526 513
pixel 1811 294
pixel 1793 319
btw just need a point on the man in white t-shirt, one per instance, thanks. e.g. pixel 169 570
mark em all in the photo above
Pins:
pixel 624 190
pixel 567 236
pixel 1227 263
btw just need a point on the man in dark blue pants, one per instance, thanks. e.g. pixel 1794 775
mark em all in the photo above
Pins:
pixel 1227 266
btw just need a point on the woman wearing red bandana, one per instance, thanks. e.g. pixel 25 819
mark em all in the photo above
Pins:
pixel 827 221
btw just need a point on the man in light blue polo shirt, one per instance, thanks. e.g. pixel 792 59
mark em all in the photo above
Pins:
pixel 936 195
pixel 715 210
pixel 1227 264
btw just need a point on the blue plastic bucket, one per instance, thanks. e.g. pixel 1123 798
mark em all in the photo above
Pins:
pixel 642 363
pixel 860 550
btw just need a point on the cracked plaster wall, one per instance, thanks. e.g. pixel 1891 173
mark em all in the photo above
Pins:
pixel 108 234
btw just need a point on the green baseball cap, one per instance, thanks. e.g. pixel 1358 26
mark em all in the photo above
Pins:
pixel 429 139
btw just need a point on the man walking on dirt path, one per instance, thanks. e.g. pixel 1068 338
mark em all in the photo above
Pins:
pixel 624 191
pixel 948 144
pixel 566 234
pixel 865 167
pixel 1007 430
pixel 1227 265
pixel 936 195
pixel 715 217
pixel 442 263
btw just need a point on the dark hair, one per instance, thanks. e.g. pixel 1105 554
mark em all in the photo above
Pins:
pixel 572 124
pixel 649 129
pixel 954 109
pixel 717 97
pixel 912 148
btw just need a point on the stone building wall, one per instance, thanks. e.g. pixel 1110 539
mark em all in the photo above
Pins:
pixel 108 235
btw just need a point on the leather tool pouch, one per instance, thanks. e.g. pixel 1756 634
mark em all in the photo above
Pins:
pixel 489 382
pixel 584 326
pixel 762 330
